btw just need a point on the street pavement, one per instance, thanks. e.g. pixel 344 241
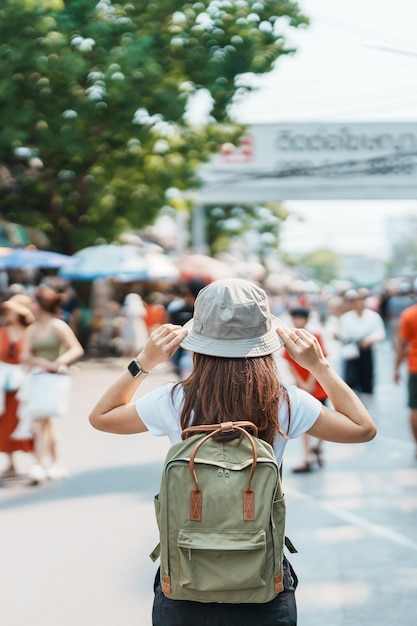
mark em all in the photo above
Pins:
pixel 75 551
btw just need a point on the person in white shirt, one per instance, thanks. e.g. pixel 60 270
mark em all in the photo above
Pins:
pixel 359 330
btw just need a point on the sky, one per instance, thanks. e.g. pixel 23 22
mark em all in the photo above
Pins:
pixel 357 61
pixel 347 66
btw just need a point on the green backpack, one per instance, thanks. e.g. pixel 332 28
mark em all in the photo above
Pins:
pixel 221 517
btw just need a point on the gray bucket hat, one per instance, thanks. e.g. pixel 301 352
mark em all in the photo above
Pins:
pixel 232 319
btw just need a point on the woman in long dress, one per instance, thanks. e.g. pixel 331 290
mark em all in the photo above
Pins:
pixel 16 318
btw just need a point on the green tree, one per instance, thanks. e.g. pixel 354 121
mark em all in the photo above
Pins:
pixel 321 265
pixel 404 250
pixel 93 96
pixel 257 227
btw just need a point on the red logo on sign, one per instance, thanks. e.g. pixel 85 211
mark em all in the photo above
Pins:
pixel 244 152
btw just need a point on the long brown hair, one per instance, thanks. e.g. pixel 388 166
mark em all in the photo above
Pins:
pixel 48 299
pixel 222 390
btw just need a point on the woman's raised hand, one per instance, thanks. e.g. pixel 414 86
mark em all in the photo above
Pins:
pixel 161 344
pixel 302 346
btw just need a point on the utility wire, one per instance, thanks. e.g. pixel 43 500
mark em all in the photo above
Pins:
pixel 360 30
pixel 319 99
pixel 334 109
pixel 371 76
pixel 410 53
pixel 374 166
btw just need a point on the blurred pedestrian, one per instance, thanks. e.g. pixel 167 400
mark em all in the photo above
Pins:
pixel 70 307
pixel 400 299
pixel 134 330
pixel 407 350
pixel 156 312
pixel 16 318
pixel 235 377
pixel 50 346
pixel 312 448
pixel 180 311
pixel 359 330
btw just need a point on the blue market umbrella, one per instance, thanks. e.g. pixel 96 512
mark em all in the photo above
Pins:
pixel 160 267
pixel 16 258
pixel 121 262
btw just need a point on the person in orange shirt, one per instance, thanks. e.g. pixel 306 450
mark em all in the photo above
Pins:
pixel 156 313
pixel 312 454
pixel 407 349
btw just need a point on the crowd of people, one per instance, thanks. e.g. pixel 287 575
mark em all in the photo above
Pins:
pixel 361 320
pixel 39 341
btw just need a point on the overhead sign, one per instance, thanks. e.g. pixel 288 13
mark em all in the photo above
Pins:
pixel 312 161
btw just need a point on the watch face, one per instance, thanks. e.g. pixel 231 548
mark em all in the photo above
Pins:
pixel 134 368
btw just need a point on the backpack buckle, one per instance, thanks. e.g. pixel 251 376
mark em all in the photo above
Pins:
pixel 226 427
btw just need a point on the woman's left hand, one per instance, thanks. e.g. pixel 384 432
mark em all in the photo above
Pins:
pixel 303 346
pixel 161 344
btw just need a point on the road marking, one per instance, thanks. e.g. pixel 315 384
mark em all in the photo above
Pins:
pixel 347 516
pixel 400 442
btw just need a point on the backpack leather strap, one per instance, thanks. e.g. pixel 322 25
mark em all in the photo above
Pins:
pixel 196 498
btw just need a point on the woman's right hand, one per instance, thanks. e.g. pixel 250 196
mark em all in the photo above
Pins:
pixel 44 364
pixel 161 344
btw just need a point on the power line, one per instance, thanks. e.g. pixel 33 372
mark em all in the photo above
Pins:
pixel 373 166
pixel 370 75
pixel 360 30
pixel 402 52
pixel 295 96
pixel 319 99
pixel 356 104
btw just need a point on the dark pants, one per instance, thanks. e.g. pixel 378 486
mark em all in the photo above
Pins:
pixel 359 373
pixel 282 611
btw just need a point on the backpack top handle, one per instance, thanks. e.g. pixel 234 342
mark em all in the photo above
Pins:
pixel 221 427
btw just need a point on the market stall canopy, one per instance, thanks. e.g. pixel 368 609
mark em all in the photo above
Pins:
pixel 17 258
pixel 121 262
pixel 161 267
pixel 203 266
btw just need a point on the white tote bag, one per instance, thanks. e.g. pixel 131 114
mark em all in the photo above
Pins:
pixel 349 351
pixel 44 394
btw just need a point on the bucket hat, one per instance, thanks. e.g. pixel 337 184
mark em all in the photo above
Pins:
pixel 19 303
pixel 232 319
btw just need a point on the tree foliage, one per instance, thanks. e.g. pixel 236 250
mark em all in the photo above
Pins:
pixel 255 227
pixel 321 264
pixel 93 96
pixel 404 253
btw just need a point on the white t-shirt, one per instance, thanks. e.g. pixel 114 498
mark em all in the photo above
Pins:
pixel 354 327
pixel 160 412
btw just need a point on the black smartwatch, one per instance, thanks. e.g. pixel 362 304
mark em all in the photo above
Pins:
pixel 135 368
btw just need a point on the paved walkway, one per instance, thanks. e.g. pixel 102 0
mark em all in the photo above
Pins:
pixel 76 551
